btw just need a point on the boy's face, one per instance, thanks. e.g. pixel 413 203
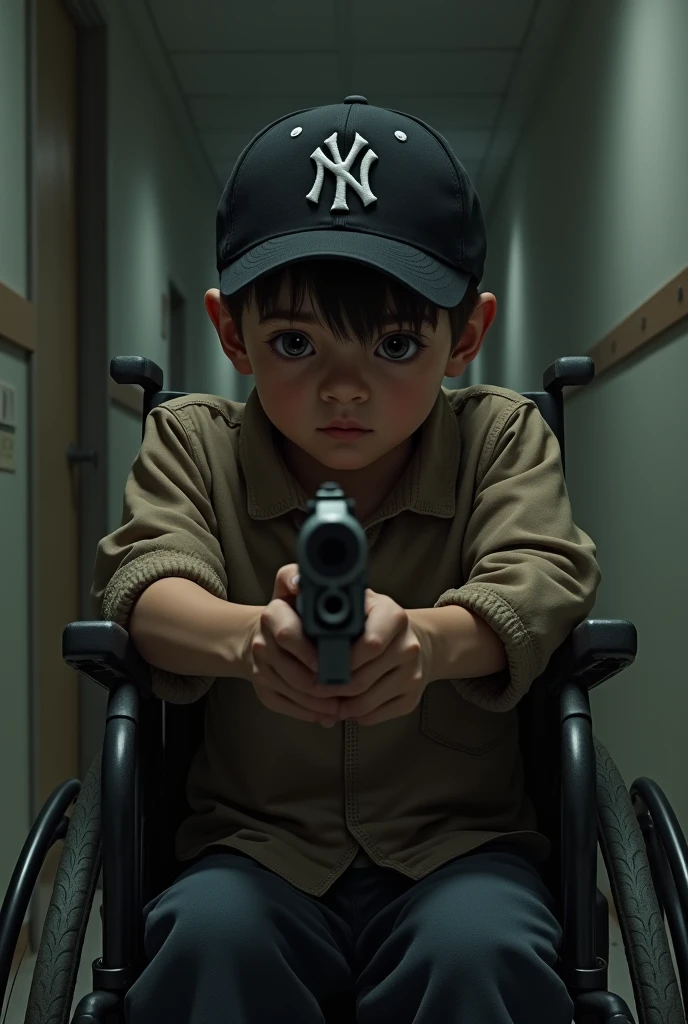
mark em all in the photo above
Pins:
pixel 306 376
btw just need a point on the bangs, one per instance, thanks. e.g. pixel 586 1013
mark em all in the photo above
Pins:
pixel 353 301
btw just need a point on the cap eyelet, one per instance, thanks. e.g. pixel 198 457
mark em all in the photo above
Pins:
pixel 401 136
pixel 295 131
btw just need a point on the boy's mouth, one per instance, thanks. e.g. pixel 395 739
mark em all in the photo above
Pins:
pixel 348 433
pixel 345 425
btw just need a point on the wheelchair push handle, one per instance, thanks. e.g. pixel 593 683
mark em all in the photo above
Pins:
pixel 104 652
pixel 141 371
pixel 137 370
pixel 568 372
pixel 593 652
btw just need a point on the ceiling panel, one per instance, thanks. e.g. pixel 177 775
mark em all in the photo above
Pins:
pixel 301 74
pixel 261 25
pixel 259 75
pixel 388 24
pixel 426 73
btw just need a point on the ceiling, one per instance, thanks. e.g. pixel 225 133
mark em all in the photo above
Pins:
pixel 471 70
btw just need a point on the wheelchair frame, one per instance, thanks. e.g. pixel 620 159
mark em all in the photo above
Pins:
pixel 149 744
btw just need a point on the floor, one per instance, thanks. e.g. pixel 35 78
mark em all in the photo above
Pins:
pixel 619 980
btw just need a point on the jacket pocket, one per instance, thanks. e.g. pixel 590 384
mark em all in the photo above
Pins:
pixel 450 719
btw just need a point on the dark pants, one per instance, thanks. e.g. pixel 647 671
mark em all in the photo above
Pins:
pixel 475 942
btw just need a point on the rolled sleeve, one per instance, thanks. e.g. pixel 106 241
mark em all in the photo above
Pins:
pixel 168 528
pixel 531 574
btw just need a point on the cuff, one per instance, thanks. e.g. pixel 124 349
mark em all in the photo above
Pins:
pixel 129 582
pixel 502 690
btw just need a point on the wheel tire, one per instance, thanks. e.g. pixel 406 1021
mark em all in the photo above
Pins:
pixel 62 938
pixel 656 989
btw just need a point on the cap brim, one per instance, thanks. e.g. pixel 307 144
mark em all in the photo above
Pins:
pixel 437 282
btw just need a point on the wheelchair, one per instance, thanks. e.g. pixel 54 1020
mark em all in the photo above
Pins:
pixel 127 811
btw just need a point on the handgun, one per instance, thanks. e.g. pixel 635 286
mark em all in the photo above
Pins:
pixel 333 570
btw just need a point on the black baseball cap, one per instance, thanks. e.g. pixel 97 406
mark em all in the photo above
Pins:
pixel 352 181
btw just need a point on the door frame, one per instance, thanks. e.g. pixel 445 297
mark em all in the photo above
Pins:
pixel 90 21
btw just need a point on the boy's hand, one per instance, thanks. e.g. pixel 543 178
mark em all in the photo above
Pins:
pixel 284 661
pixel 389 662
pixel 389 665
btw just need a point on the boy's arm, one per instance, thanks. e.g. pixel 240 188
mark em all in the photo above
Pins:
pixel 168 533
pixel 531 574
pixel 462 645
pixel 179 627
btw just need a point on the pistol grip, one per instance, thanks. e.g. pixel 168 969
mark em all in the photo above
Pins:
pixel 334 660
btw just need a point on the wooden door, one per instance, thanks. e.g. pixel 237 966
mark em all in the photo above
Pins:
pixel 56 399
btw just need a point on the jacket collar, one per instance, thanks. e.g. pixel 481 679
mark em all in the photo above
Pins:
pixel 427 486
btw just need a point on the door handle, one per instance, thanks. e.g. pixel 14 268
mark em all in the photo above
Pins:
pixel 77 455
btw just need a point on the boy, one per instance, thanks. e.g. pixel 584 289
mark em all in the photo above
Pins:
pixel 350 294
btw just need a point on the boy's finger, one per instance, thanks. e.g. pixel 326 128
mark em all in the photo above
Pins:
pixel 294 671
pixel 282 681
pixel 283 586
pixel 371 645
pixel 284 626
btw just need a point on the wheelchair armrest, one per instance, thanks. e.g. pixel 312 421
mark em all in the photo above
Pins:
pixel 595 650
pixel 104 652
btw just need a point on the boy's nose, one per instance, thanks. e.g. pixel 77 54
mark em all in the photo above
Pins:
pixel 344 392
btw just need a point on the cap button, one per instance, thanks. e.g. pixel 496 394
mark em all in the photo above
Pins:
pixel 355 99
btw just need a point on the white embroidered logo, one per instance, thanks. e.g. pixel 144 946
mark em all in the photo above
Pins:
pixel 341 169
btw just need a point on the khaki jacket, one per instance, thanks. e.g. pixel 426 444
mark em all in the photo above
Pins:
pixel 481 518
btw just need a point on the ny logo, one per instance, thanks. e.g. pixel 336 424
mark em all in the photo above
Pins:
pixel 341 169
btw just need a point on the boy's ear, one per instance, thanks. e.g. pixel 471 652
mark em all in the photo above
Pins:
pixel 232 344
pixel 470 343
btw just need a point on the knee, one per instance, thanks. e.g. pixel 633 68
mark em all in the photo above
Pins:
pixel 214 910
pixel 483 927
pixel 470 948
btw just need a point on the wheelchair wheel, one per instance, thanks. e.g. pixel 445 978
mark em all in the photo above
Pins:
pixel 62 939
pixel 656 989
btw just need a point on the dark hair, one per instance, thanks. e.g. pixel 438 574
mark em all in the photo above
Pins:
pixel 345 292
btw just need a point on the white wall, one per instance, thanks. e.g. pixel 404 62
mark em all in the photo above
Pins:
pixel 161 225
pixel 161 217
pixel 592 220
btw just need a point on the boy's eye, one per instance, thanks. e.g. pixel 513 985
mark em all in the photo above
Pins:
pixel 293 344
pixel 396 347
